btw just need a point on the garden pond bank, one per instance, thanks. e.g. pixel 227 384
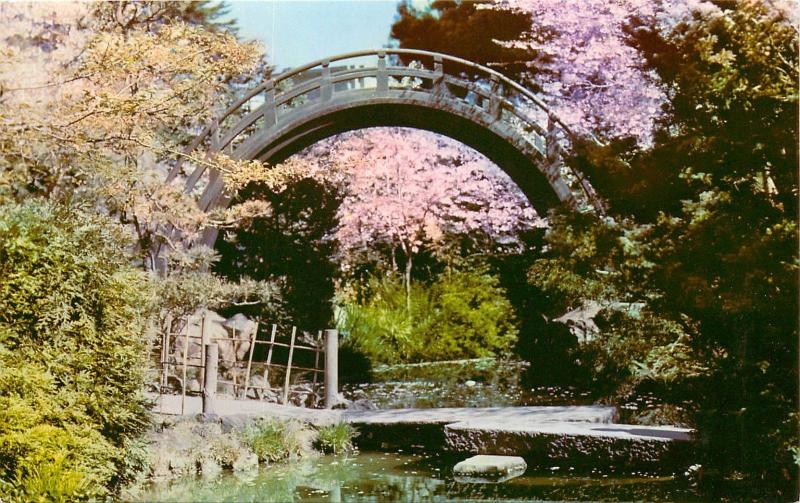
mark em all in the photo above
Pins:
pixel 373 476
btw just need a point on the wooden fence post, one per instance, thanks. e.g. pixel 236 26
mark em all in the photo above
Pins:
pixel 316 359
pixel 165 339
pixel 253 339
pixel 204 339
pixel 210 377
pixel 289 368
pixel 185 362
pixel 269 355
pixel 235 369
pixel 331 367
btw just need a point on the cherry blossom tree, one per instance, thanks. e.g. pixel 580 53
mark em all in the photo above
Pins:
pixel 410 189
pixel 590 73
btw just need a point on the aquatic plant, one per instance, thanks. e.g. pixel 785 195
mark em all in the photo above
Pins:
pixel 273 440
pixel 336 438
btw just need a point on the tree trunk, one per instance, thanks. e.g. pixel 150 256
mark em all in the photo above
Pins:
pixel 408 283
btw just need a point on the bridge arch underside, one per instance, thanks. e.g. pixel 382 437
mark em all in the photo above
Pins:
pixel 516 156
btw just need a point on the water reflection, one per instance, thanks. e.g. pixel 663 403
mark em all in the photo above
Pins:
pixel 379 477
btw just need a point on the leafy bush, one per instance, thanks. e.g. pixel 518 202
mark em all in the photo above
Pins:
pixel 273 440
pixel 53 482
pixel 72 318
pixel 336 438
pixel 463 314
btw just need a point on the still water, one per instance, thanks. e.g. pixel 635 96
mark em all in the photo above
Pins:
pixel 378 477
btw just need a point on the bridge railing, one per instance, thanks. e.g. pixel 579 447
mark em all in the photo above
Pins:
pixel 431 74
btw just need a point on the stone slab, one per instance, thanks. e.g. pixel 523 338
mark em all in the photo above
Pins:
pixel 572 443
pixel 240 410
pixel 496 415
pixel 171 404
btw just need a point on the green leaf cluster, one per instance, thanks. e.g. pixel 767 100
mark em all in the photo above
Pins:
pixel 703 234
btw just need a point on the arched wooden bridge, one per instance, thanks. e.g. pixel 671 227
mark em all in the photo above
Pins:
pixel 395 87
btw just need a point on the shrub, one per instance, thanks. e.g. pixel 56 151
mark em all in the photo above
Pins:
pixel 463 314
pixel 336 438
pixel 72 318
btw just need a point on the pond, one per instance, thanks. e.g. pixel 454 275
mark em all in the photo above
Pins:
pixel 378 477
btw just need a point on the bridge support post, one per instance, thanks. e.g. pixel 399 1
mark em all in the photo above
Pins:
pixel 210 377
pixel 439 85
pixel 331 367
pixel 270 114
pixel 381 77
pixel 325 89
pixel 494 102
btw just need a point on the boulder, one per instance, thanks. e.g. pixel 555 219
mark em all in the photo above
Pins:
pixel 210 468
pixel 247 461
pixel 581 321
pixel 240 326
pixel 488 468
pixel 362 404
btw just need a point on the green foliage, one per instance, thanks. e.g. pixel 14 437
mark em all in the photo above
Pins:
pixel 705 239
pixel 73 315
pixel 463 314
pixel 336 438
pixel 190 286
pixel 465 30
pixel 610 262
pixel 273 440
pixel 283 247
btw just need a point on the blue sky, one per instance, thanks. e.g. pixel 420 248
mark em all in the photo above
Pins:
pixel 297 32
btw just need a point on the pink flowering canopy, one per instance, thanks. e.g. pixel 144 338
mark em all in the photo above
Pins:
pixel 409 188
pixel 590 73
pixel 592 78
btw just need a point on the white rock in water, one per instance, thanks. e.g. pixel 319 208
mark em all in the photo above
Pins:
pixel 470 383
pixel 484 468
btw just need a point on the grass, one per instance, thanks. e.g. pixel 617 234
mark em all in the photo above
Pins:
pixel 274 440
pixel 336 438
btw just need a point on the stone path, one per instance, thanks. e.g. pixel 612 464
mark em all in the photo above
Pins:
pixel 570 444
pixel 520 416
pixel 491 415
pixel 610 431
pixel 548 434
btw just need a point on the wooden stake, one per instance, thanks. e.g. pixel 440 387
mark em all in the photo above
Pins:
pixel 165 353
pixel 203 341
pixel 289 368
pixel 316 359
pixel 210 379
pixel 235 362
pixel 250 360
pixel 269 355
pixel 185 362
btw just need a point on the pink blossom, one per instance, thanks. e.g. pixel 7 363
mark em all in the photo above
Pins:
pixel 593 79
pixel 409 188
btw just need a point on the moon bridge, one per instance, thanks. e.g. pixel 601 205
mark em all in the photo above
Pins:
pixel 394 87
